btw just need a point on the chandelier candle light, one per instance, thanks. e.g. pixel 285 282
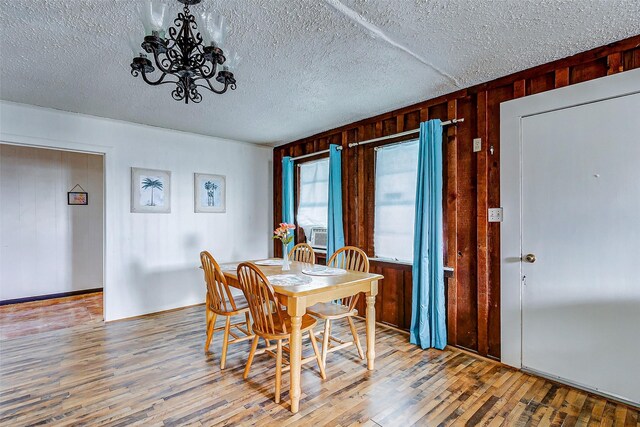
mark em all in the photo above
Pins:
pixel 282 233
pixel 188 54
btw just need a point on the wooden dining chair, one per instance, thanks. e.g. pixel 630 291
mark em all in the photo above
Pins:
pixel 302 252
pixel 348 258
pixel 221 302
pixel 271 322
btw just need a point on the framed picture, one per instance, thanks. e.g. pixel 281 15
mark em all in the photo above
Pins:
pixel 210 193
pixel 150 191
pixel 77 198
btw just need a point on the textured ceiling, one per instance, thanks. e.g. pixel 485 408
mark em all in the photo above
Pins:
pixel 308 65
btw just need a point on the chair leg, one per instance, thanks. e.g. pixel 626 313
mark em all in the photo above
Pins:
pixel 248 319
pixel 314 344
pixel 211 325
pixel 356 339
pixel 278 370
pixel 325 341
pixel 254 346
pixel 225 342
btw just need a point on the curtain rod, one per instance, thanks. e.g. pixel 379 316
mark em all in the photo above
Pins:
pixel 304 156
pixel 395 135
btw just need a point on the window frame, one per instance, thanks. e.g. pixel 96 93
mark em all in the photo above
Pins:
pixel 364 158
pixel 299 234
pixel 372 206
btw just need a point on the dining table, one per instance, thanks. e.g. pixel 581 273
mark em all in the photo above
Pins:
pixel 305 285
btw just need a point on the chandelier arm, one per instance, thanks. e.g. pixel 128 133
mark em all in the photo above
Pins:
pixel 209 85
pixel 160 80
pixel 214 90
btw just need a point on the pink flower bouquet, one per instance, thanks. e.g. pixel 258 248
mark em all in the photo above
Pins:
pixel 282 233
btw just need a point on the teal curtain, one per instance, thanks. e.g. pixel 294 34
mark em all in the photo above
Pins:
pixel 335 230
pixel 287 193
pixel 428 318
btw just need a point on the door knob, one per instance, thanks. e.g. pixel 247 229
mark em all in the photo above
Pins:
pixel 530 258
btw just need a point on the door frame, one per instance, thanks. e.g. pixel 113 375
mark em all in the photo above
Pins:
pixel 106 152
pixel 511 115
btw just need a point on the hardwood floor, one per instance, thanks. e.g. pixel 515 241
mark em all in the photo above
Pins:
pixel 29 318
pixel 152 371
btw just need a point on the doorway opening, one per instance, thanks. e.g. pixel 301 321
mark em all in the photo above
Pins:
pixel 51 239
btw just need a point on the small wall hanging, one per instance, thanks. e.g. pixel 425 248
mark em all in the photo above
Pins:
pixel 150 191
pixel 210 193
pixel 77 197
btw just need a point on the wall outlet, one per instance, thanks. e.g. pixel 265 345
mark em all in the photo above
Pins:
pixel 477 144
pixel 495 215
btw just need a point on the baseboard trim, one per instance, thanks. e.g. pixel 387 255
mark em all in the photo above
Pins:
pixel 140 316
pixel 50 296
pixel 567 383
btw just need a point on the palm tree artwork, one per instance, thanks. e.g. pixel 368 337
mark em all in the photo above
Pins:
pixel 211 188
pixel 153 184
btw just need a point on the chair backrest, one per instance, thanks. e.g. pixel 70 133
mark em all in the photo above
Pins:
pixel 263 303
pixel 302 252
pixel 219 295
pixel 350 258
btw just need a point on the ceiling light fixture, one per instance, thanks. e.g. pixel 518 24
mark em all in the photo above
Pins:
pixel 194 57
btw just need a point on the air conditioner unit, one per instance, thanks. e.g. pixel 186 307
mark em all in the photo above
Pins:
pixel 318 237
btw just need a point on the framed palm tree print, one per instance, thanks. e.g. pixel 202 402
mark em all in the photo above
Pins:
pixel 150 191
pixel 210 193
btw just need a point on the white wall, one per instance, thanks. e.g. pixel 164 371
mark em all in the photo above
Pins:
pixel 47 246
pixel 151 259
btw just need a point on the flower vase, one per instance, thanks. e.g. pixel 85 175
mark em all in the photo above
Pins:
pixel 286 266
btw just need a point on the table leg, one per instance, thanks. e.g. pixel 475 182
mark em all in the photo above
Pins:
pixel 296 309
pixel 371 325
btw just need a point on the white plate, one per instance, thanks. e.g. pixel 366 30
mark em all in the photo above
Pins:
pixel 323 271
pixel 289 280
pixel 228 267
pixel 269 262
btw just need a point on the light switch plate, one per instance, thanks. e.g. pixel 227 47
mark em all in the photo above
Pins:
pixel 477 144
pixel 495 214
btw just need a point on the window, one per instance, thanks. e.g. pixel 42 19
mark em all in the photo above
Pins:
pixel 313 203
pixel 395 200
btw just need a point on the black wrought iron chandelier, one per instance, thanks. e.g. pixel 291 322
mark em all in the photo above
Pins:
pixel 186 56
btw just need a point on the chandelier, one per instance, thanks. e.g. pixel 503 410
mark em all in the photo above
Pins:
pixel 188 54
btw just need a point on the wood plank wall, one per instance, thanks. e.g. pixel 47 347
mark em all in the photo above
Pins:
pixel 472 185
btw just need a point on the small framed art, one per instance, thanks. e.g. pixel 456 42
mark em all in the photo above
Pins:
pixel 210 193
pixel 150 191
pixel 77 198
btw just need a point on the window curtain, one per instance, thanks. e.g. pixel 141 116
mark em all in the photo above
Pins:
pixel 287 193
pixel 428 321
pixel 335 230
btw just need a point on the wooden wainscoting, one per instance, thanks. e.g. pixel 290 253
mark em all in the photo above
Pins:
pixel 393 302
pixel 471 181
